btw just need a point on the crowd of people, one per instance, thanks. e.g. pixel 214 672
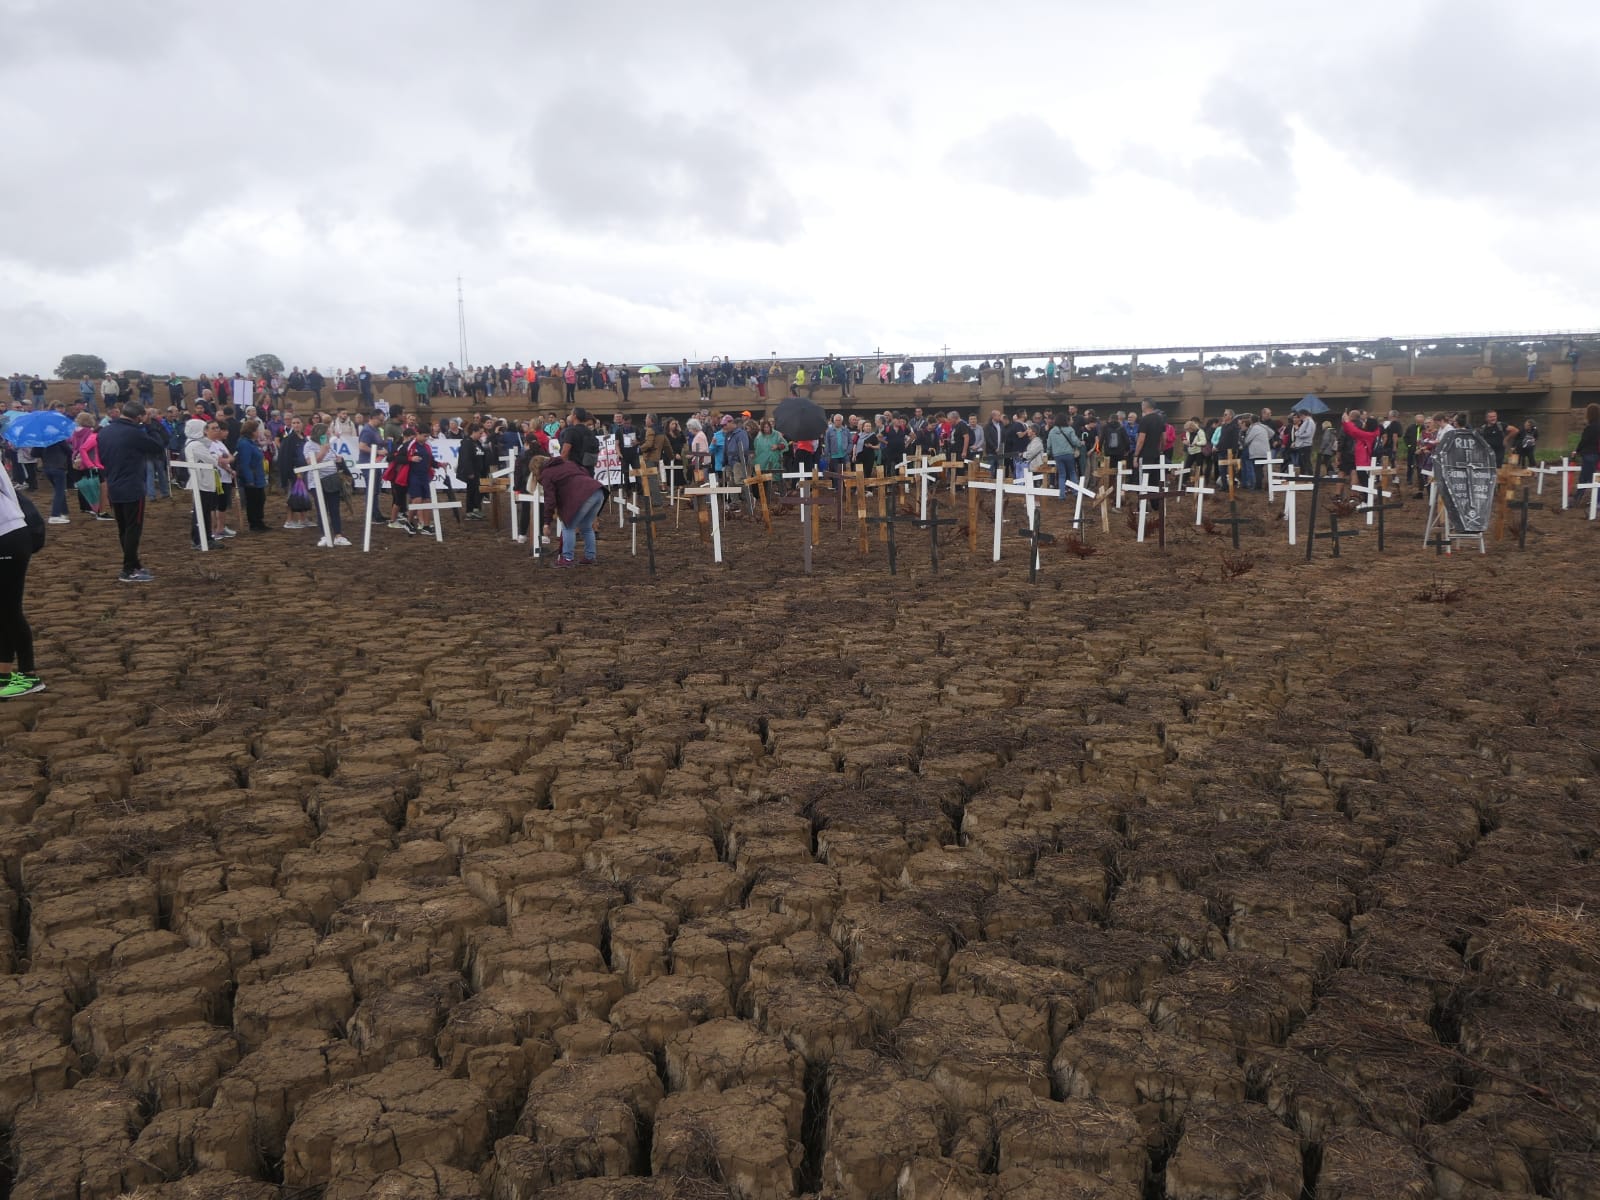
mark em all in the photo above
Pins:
pixel 123 453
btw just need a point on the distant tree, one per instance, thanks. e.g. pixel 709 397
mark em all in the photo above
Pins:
pixel 1250 361
pixel 1021 372
pixel 968 372
pixel 76 366
pixel 263 366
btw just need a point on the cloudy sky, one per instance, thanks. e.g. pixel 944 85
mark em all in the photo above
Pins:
pixel 189 182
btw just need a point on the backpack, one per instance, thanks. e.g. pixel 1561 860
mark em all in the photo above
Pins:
pixel 1116 438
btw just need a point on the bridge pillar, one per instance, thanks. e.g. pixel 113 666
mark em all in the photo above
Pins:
pixel 1070 368
pixel 1554 407
pixel 1193 402
pixel 1338 361
pixel 1381 400
pixel 1008 372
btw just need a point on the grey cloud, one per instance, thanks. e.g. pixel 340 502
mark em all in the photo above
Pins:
pixel 1022 154
pixel 594 163
pixel 1478 99
pixel 1255 176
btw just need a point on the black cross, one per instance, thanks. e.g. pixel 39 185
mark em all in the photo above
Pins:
pixel 1334 533
pixel 648 516
pixel 1377 506
pixel 1440 543
pixel 1524 505
pixel 931 523
pixel 1311 527
pixel 891 519
pixel 1161 518
pixel 1235 521
pixel 1033 534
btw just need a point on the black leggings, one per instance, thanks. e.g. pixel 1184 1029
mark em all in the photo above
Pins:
pixel 16 638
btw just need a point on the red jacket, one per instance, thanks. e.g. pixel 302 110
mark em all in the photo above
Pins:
pixel 567 486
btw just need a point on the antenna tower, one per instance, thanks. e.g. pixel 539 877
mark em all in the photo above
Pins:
pixel 461 322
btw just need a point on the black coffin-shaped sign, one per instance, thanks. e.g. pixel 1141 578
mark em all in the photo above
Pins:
pixel 1464 468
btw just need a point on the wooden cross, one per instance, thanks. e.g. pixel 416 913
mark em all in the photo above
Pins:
pixel 644 513
pixel 1233 521
pixel 712 491
pixel 996 485
pixel 1231 465
pixel 314 484
pixel 882 484
pixel 1200 491
pixel 183 464
pixel 1334 533
pixel 760 479
pixel 1290 514
pixel 437 506
pixel 808 517
pixel 931 523
pixel 372 486
pixel 1316 496
pixel 1524 505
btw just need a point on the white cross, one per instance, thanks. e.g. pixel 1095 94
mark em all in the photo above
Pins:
pixel 1372 487
pixel 372 488
pixel 626 508
pixel 436 507
pixel 1144 491
pixel 1290 489
pixel 1200 491
pixel 1163 467
pixel 199 505
pixel 997 485
pixel 509 474
pixel 1122 469
pixel 315 484
pixel 671 470
pixel 1566 470
pixel 535 534
pixel 1274 480
pixel 925 470
pixel 1081 494
pixel 712 491
pixel 1593 488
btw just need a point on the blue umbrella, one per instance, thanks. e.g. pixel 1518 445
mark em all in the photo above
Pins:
pixel 1310 403
pixel 37 429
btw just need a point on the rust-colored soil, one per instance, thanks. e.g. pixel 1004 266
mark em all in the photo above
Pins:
pixel 437 873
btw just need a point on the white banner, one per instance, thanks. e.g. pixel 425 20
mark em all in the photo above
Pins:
pixel 446 454
pixel 608 466
pixel 244 391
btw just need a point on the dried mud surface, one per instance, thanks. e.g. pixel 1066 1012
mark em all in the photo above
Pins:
pixel 432 873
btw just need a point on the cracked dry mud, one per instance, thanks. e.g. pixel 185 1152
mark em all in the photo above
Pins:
pixel 430 874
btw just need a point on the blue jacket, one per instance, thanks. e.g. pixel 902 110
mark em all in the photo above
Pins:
pixel 125 447
pixel 250 465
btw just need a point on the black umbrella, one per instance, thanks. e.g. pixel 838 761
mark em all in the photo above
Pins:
pixel 799 419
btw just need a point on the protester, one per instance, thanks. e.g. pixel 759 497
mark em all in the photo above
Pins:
pixel 201 458
pixel 16 636
pixel 251 470
pixel 1589 444
pixel 321 455
pixel 576 499
pixel 127 444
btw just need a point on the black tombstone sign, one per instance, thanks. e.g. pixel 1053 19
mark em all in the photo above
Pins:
pixel 1464 468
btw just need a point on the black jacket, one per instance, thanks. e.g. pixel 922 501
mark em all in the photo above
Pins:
pixel 125 447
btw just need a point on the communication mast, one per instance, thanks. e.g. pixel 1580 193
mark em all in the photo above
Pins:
pixel 461 323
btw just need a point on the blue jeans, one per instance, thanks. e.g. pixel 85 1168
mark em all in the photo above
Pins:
pixel 58 499
pixel 1587 463
pixel 584 521
pixel 156 482
pixel 1247 474
pixel 1066 471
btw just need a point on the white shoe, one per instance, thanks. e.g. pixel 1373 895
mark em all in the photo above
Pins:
pixel 341 540
pixel 226 532
pixel 59 521
pixel 325 542
pixel 293 525
pixel 520 540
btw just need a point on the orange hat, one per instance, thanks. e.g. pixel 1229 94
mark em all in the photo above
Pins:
pixel 745 413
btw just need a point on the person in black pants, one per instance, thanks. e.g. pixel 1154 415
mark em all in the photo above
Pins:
pixel 127 443
pixel 16 636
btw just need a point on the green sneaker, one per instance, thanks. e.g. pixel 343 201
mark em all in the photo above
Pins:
pixel 20 685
